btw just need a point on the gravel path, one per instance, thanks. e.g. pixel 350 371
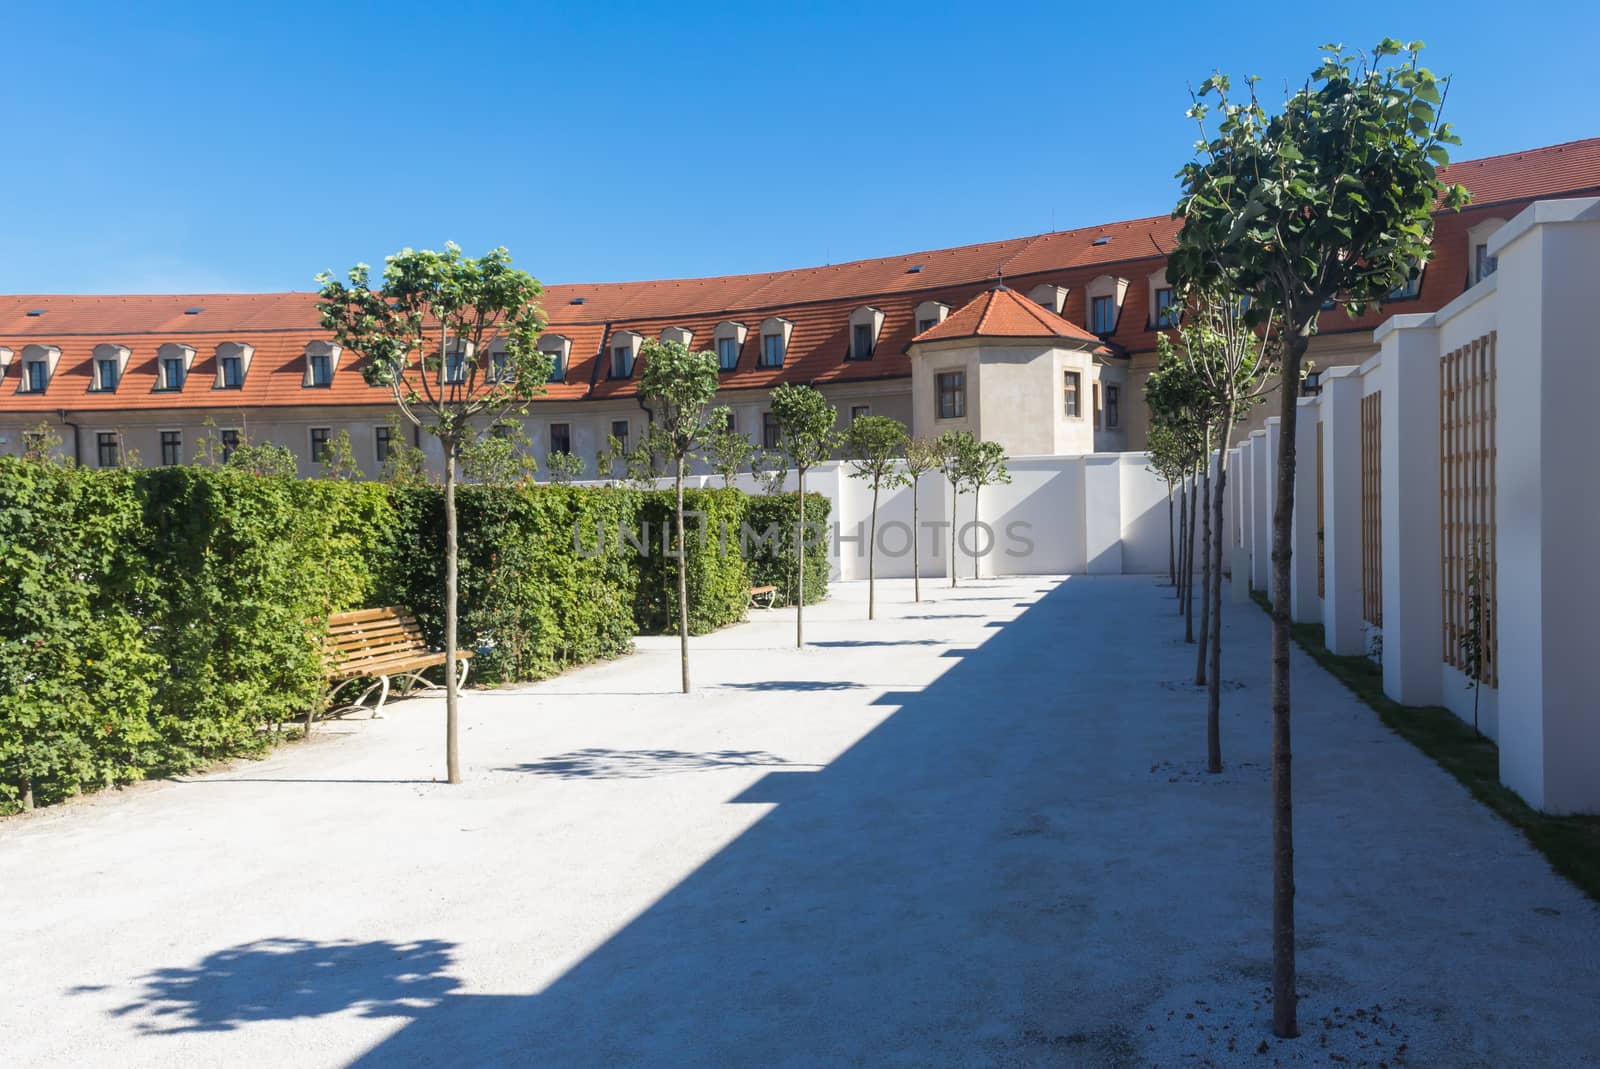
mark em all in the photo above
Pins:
pixel 973 833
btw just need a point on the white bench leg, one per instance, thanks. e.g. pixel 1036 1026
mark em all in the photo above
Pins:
pixel 383 696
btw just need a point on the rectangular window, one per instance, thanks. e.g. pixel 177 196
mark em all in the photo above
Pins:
pixel 622 362
pixel 1166 314
pixel 455 368
pixel 232 373
pixel 1483 265
pixel 106 374
pixel 772 350
pixel 1071 386
pixel 727 353
pixel 321 369
pixel 230 443
pixel 619 431
pixel 769 430
pixel 861 341
pixel 1097 406
pixel 925 325
pixel 171 448
pixel 319 444
pixel 37 375
pixel 34 443
pixel 857 411
pixel 383 442
pixel 560 437
pixel 499 366
pixel 108 448
pixel 1103 313
pixel 1113 406
pixel 558 365
pixel 952 389
pixel 172 373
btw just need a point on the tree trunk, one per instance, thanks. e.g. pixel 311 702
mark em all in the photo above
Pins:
pixel 975 491
pixel 1284 1016
pixel 954 501
pixel 1172 540
pixel 1188 556
pixel 1214 682
pixel 800 563
pixel 1183 525
pixel 452 691
pixel 27 792
pixel 683 583
pixel 872 553
pixel 1207 577
pixel 916 561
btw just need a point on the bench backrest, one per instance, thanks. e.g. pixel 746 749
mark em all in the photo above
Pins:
pixel 373 635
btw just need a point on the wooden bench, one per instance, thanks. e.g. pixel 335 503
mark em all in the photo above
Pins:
pixel 763 596
pixel 380 644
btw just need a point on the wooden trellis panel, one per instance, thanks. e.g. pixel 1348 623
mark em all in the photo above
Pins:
pixel 1322 585
pixel 1372 508
pixel 1466 512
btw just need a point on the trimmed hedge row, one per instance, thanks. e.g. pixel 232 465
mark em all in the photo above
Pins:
pixel 153 621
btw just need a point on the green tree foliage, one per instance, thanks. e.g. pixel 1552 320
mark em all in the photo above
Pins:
pixel 406 465
pixel 678 385
pixel 503 457
pixel 985 465
pixel 563 467
pixel 338 460
pixel 1330 200
pixel 770 557
pixel 728 451
pixel 876 446
pixel 806 436
pixel 454 338
pixel 957 450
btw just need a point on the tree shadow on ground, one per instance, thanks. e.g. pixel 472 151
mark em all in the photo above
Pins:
pixel 846 643
pixel 292 979
pixel 794 684
pixel 642 764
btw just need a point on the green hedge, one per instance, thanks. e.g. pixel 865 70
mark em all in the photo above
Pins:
pixel 770 560
pixel 151 622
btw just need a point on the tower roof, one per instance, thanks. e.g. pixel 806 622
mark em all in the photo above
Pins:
pixel 1001 313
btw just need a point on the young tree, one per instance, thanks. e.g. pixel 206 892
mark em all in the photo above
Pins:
pixel 728 450
pixel 1330 200
pixel 426 334
pixel 955 461
pixel 404 464
pixel 338 459
pixel 605 459
pixel 1179 404
pixel 770 469
pixel 563 467
pixel 680 383
pixel 985 466
pixel 502 457
pixel 1164 448
pixel 922 456
pixel 806 435
pixel 875 445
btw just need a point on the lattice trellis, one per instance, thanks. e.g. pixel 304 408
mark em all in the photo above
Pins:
pixel 1466 500
pixel 1372 508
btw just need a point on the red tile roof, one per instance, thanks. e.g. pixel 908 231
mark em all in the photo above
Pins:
pixel 817 300
pixel 1000 313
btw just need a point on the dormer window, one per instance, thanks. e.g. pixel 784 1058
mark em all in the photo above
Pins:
pixel 455 366
pixel 624 351
pixel 1105 296
pixel 1166 311
pixel 556 347
pixel 1409 288
pixel 110 361
pixel 6 356
pixel 1482 265
pixel 775 341
pixel 233 363
pixel 729 339
pixel 930 314
pixel 682 335
pixel 38 367
pixel 322 361
pixel 1048 295
pixel 865 324
pixel 1103 315
pixel 172 366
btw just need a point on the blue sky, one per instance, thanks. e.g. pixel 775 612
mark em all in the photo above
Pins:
pixel 175 148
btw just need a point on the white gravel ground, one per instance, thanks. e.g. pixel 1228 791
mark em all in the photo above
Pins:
pixel 972 833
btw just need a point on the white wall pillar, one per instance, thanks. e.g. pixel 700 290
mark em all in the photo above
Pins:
pixel 1274 435
pixel 1412 615
pixel 1260 512
pixel 1341 511
pixel 1102 513
pixel 1547 512
pixel 1305 606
